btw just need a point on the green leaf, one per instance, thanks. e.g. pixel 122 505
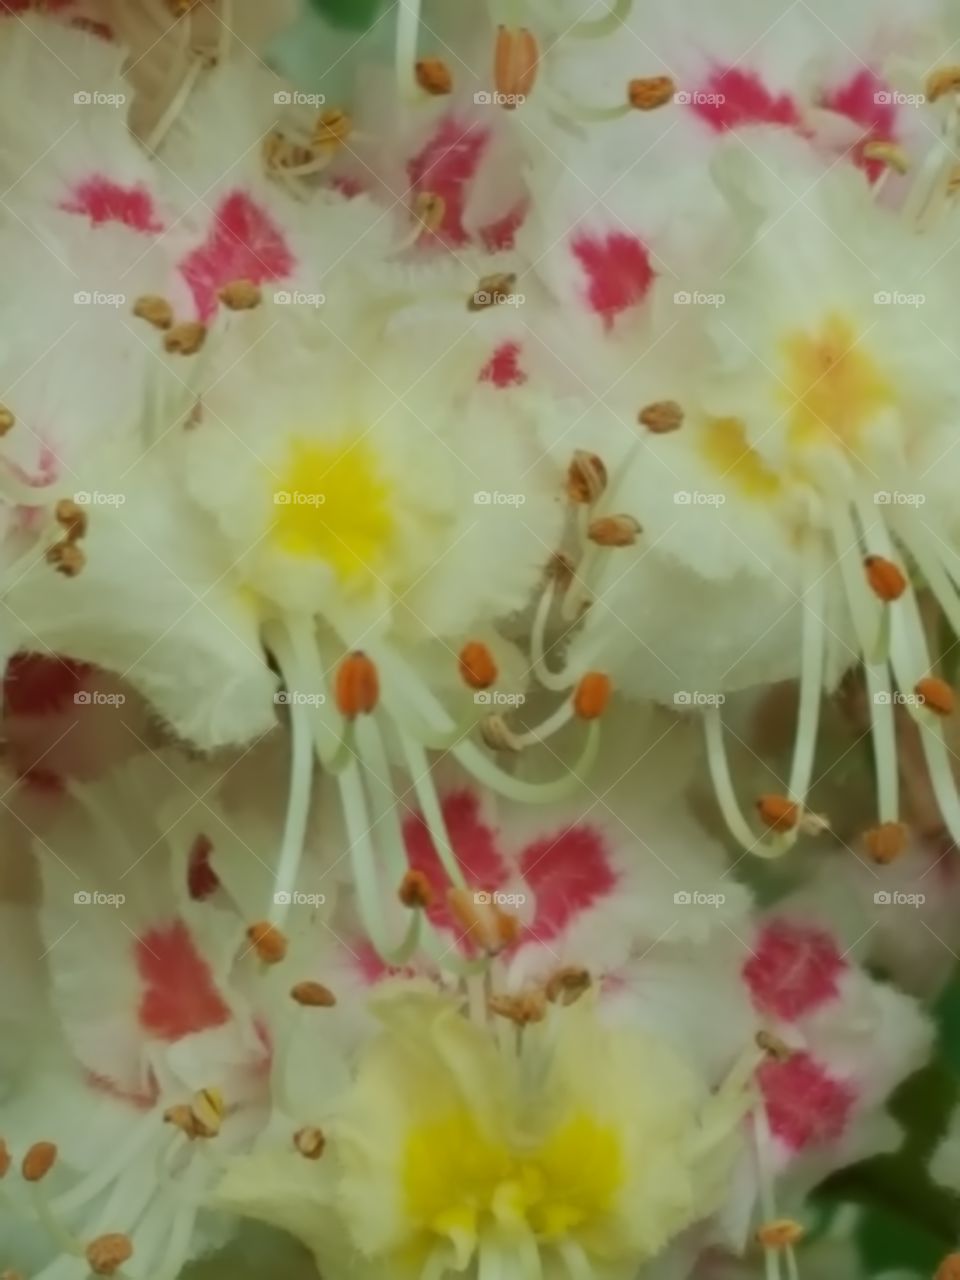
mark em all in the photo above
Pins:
pixel 354 14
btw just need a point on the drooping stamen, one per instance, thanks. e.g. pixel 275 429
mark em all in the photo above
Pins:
pixel 885 842
pixel 725 795
pixel 516 57
pixel 887 581
pixel 889 153
pixel 936 695
pixel 171 114
pixel 779 1233
pixel 942 81
pixel 38 1161
pixel 567 985
pixel 522 1009
pixel 492 290
pixel 298 810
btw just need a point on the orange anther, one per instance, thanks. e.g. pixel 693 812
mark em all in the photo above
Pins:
pixel 586 478
pixel 416 891
pixel 778 813
pixel 38 1161
pixel 779 1233
pixel 107 1254
pixel 310 1142
pixel 313 995
pixel 515 59
pixel 936 695
pixel 661 417
pixel 886 842
pixel 887 581
pixel 268 941
pixel 357 686
pixel 433 76
pixel 592 695
pixel 649 92
pixel 477 666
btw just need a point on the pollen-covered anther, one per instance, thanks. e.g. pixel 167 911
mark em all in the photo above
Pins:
pixel 241 295
pixel 67 558
pixel 646 93
pixel 943 81
pixel 936 695
pixel 416 891
pixel 483 921
pixel 477 667
pixel 72 519
pixel 492 290
pixel 778 813
pixel 185 339
pixel 498 735
pixel 279 152
pixel 889 153
pixel 592 695
pixel 661 417
pixel 586 478
pixel 516 57
pixel 949 1268
pixel 356 686
pixel 269 942
pixel 208 1109
pixel 887 581
pixel 313 995
pixel 614 531
pixel 430 209
pixel 773 1046
pixel 886 842
pixel 433 76
pixel 155 309
pixel 332 128
pixel 107 1254
pixel 529 1006
pixel 181 1117
pixel 310 1142
pixel 38 1161
pixel 567 985
pixel 779 1233
pixel 7 420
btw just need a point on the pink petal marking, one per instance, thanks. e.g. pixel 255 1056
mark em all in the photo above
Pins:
pixel 142 1100
pixel 618 271
pixel 568 872
pixel 179 996
pixel 794 969
pixel 245 243
pixel 741 98
pixel 104 201
pixel 202 880
pixel 858 100
pixel 36 684
pixel 503 367
pixel 805 1105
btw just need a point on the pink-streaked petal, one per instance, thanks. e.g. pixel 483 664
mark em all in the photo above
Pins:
pixel 733 98
pixel 444 165
pixel 35 684
pixel 104 201
pixel 805 1105
pixel 503 368
pixel 569 872
pixel 794 969
pixel 142 1099
pixel 617 269
pixel 867 101
pixel 202 880
pixel 501 235
pixel 179 996
pixel 245 243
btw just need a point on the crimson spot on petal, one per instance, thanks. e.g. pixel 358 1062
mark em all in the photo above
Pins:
pixel 618 271
pixel 179 996
pixel 36 685
pixel 805 1105
pixel 503 367
pixel 104 201
pixel 734 98
pixel 202 880
pixel 867 101
pixel 794 969
pixel 568 872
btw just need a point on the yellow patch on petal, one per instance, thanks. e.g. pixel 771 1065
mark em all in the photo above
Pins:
pixel 332 504
pixel 582 1168
pixel 834 387
pixel 724 445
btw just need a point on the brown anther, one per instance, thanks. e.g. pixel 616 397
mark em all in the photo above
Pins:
pixel 182 1118
pixel 433 76
pixel 521 1009
pixel 567 985
pixel 356 686
pixel 310 1142
pixel 38 1161
pixel 280 153
pixel 185 339
pixel 586 478
pixel 416 891
pixel 241 295
pixel 516 57
pixel 208 1109
pixel 887 581
pixel 936 695
pixel 481 920
pixel 661 417
pixel 646 93
pixel 778 813
pixel 773 1046
pixel 155 310
pixel 592 695
pixel 7 420
pixel 492 290
pixel 67 558
pixel 477 667
pixel 430 209
pixel 72 518
pixel 614 531
pixel 949 1268
pixel 885 842
pixel 888 153
pixel 497 735
pixel 268 941
pixel 942 81
pixel 107 1254
pixel 5 1159
pixel 780 1233
pixel 332 128
pixel 313 995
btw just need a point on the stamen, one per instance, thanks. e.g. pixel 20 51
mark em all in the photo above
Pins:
pixel 780 1233
pixel 890 154
pixel 433 76
pixel 38 1161
pixel 185 339
pixel 179 100
pixel 773 1046
pixel 310 1143
pixel 208 1110
pixel 405 53
pixel 66 558
pixel 515 61
pixel 268 941
pixel 71 518
pixel 107 1254
pixel 520 1009
pixel 492 290
pixel 241 295
pixel 430 209
pixel 887 581
pixel 415 891
pixel 886 842
pixel 661 417
pixel 586 478
pixel 485 923
pixel 936 695
pixel 592 695
pixel 332 128
pixel 155 310
pixel 614 531
pixel 778 813
pixel 941 82
pixel 567 985
pixel 313 995
pixel 356 686
pixel 647 93
pixel 477 667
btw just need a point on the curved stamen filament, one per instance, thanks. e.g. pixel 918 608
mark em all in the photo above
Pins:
pixel 408 31
pixel 726 797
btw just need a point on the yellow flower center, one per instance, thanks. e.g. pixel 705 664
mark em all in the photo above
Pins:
pixel 724 446
pixel 333 505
